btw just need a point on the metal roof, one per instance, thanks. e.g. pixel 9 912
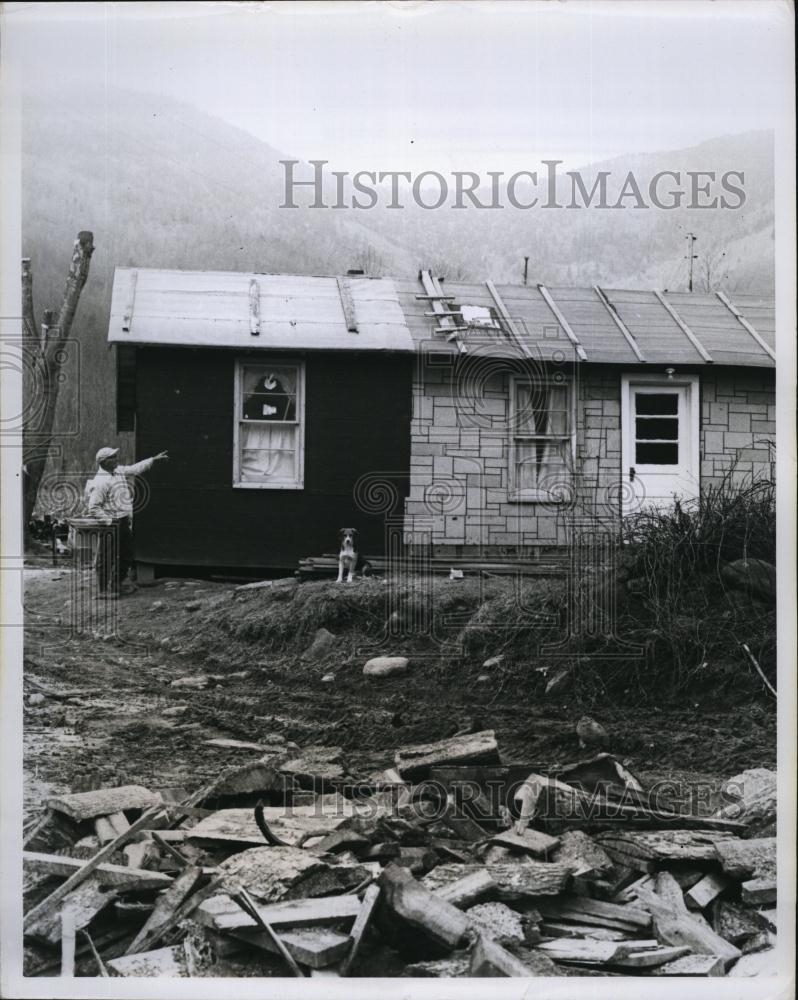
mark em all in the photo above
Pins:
pixel 273 311
pixel 596 325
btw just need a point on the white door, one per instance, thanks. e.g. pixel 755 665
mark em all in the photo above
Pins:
pixel 659 419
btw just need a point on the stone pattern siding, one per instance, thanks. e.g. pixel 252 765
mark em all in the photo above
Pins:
pixel 459 494
pixel 738 425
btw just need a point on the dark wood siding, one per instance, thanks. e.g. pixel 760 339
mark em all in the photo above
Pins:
pixel 357 416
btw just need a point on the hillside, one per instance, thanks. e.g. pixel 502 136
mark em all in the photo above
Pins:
pixel 163 185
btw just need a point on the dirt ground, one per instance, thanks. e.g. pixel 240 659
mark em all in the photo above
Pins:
pixel 130 725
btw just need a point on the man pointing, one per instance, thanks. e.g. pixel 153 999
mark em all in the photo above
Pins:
pixel 109 498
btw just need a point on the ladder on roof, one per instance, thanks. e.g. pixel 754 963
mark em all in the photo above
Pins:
pixel 444 317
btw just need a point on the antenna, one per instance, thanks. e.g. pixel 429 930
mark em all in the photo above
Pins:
pixel 526 269
pixel 691 237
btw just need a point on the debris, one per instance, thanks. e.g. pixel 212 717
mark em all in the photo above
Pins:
pixel 454 967
pixel 108 874
pixel 745 859
pixel 67 943
pixel 109 827
pixel 384 666
pixel 493 662
pixel 530 841
pixel 84 903
pixel 416 761
pixel 759 891
pixel 36 698
pixel 496 921
pixel 419 908
pixel 315 765
pixel 103 801
pixel 463 891
pixel 162 963
pixel 681 929
pixel 582 853
pixel 600 772
pixel 328 679
pixel 664 845
pixel 692 965
pixel 703 892
pixel 238 745
pixel 595 911
pixel 553 929
pixel 197 681
pixel 362 921
pixel 247 904
pixel 220 913
pixel 490 959
pixel 182 887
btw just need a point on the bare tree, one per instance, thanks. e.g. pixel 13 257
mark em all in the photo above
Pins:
pixel 713 269
pixel 43 358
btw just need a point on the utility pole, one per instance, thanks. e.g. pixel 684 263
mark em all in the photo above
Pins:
pixel 526 269
pixel 691 238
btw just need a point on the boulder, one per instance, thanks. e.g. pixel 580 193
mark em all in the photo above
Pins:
pixel 752 576
pixel 750 798
pixel 323 642
pixel 384 666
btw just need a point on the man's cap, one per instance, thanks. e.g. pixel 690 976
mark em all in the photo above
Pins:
pixel 105 453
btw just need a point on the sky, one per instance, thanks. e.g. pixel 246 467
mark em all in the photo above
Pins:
pixel 425 85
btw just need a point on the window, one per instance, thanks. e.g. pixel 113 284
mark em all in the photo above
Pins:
pixel 656 428
pixel 541 446
pixel 269 426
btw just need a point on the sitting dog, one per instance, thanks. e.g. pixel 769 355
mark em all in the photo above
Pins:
pixel 349 559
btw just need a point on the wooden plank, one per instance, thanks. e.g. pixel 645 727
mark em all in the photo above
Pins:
pixel 652 958
pixel 86 869
pixel 162 963
pixel 254 307
pixel 127 318
pixel 470 889
pixel 704 891
pixel 109 827
pixel 67 943
pixel 166 904
pixel 362 920
pixel 705 355
pixel 633 916
pixel 221 913
pixel 692 965
pixel 582 950
pixel 551 928
pixel 513 330
pixel 682 929
pixel 103 801
pixel 746 325
pixel 247 903
pixel 446 319
pixel 489 959
pixel 84 903
pixel 347 303
pixel 580 351
pixel 530 841
pixel 108 874
pixel 421 909
pixel 630 340
pixel 759 891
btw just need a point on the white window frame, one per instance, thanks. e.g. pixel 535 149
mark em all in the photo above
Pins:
pixel 299 482
pixel 515 494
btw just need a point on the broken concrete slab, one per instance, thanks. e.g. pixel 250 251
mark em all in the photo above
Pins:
pixel 415 761
pixel 103 801
pixel 267 872
pixel 386 666
pixel 496 921
pixel 582 853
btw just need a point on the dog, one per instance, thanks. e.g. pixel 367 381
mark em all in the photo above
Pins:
pixel 349 559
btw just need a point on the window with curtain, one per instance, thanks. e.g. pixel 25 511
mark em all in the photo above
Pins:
pixel 269 428
pixel 540 444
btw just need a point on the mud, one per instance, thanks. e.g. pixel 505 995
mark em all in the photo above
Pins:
pixel 122 729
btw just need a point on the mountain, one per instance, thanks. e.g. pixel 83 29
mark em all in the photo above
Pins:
pixel 161 184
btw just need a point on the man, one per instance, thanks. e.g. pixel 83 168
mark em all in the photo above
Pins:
pixel 109 498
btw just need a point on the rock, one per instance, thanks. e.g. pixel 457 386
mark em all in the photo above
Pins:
pixel 322 644
pixel 175 710
pixel 156 605
pixel 196 681
pixel 384 666
pixel 315 764
pixel 36 698
pixel 192 605
pixel 591 733
pixel 473 748
pixel 328 679
pixel 751 797
pixel 494 661
pixel 483 678
pixel 752 576
pixel 559 682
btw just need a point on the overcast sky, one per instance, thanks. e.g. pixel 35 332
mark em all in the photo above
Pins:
pixel 419 85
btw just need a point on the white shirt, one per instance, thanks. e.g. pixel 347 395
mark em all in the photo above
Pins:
pixel 110 495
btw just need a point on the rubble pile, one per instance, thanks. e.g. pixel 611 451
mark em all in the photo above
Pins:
pixel 451 863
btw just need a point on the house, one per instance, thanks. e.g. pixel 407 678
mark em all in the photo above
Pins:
pixel 465 421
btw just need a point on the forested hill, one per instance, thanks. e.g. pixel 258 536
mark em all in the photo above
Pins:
pixel 161 184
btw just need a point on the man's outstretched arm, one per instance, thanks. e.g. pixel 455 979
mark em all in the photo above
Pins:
pixel 143 466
